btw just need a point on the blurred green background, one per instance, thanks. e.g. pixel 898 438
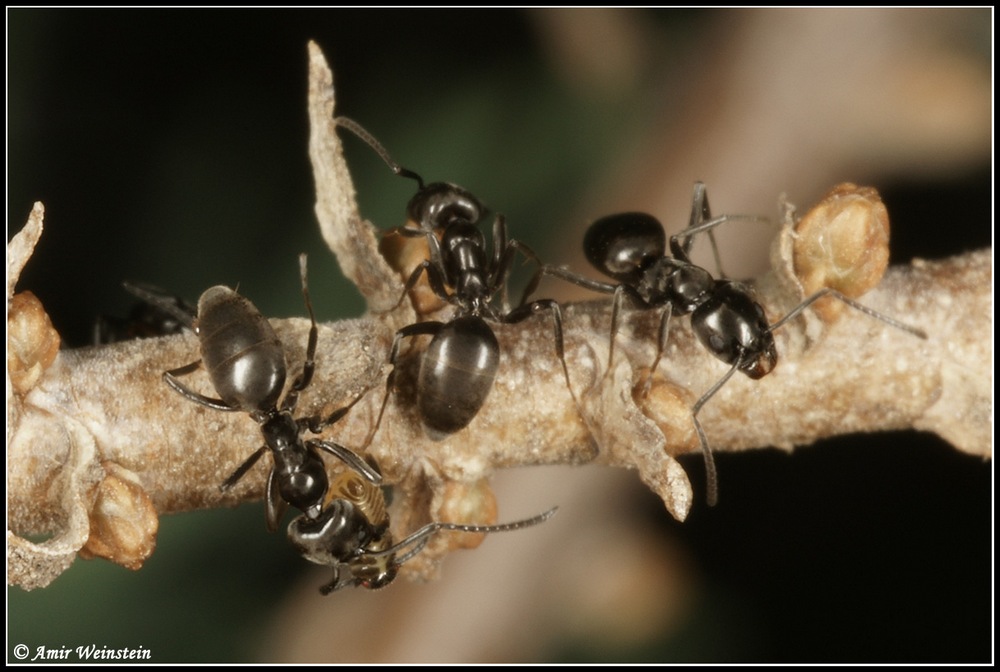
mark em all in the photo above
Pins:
pixel 170 147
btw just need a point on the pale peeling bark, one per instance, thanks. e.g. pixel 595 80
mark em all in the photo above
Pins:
pixel 98 446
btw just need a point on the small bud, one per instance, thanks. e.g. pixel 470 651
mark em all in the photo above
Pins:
pixel 123 522
pixel 842 243
pixel 32 341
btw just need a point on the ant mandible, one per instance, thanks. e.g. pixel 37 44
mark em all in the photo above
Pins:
pixel 246 364
pixel 460 364
pixel 352 536
pixel 727 320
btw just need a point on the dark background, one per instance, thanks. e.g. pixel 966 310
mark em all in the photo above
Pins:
pixel 170 147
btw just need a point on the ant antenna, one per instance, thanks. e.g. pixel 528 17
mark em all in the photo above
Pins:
pixel 172 306
pixel 422 536
pixel 358 130
pixel 827 291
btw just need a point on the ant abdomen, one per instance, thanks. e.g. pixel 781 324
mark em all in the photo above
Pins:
pixel 241 353
pixel 623 245
pixel 456 375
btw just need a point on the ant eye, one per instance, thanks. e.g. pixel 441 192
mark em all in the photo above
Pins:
pixel 717 344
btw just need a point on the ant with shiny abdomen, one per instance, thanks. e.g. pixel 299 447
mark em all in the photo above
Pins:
pixel 246 364
pixel 460 364
pixel 352 536
pixel 725 317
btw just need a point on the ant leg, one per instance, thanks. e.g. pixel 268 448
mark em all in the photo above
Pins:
pixel 275 505
pixel 336 584
pixel 433 248
pixel 503 257
pixel 661 345
pixel 568 276
pixel 503 260
pixel 616 306
pixel 350 458
pixel 500 243
pixel 243 469
pixel 419 328
pixel 174 306
pixel 620 291
pixel 711 477
pixel 701 213
pixel 317 425
pixel 309 366
pixel 523 312
pixel 700 222
pixel 435 276
pixel 919 333
pixel 532 284
pixel 170 378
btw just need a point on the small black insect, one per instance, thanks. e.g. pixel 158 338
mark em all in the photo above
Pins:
pixel 352 536
pixel 459 367
pixel 246 364
pixel 155 314
pixel 727 320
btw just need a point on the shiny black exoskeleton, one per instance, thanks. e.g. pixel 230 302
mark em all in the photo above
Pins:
pixel 459 367
pixel 352 536
pixel 726 319
pixel 246 364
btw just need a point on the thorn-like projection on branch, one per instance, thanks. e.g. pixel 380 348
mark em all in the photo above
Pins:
pixel 98 446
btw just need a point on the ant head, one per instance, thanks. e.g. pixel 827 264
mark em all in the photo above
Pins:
pixel 621 245
pixel 337 534
pixel 374 568
pixel 733 327
pixel 436 205
pixel 441 204
pixel 305 487
pixel 343 538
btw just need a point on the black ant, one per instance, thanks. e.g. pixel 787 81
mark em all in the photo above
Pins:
pixel 246 364
pixel 727 320
pixel 156 314
pixel 352 536
pixel 459 367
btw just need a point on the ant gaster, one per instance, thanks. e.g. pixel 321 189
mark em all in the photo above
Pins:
pixel 459 367
pixel 725 317
pixel 352 536
pixel 246 364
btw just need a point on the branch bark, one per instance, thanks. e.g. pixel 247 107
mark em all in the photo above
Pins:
pixel 98 446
